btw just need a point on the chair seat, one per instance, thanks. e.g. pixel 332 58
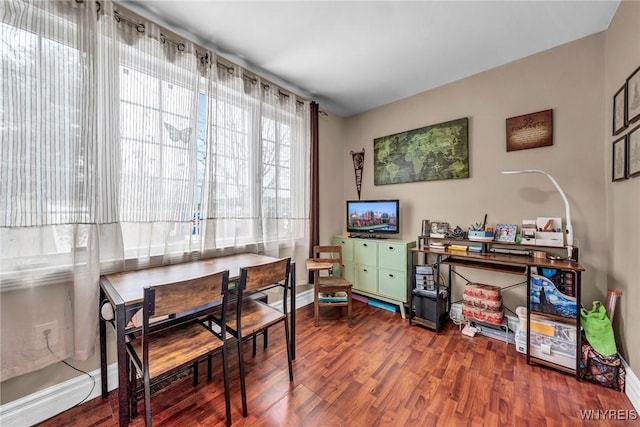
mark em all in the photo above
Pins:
pixel 173 348
pixel 256 316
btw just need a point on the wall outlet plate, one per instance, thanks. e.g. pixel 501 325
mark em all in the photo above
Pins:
pixel 40 342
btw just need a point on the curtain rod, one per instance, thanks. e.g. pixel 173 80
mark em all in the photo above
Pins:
pixel 135 19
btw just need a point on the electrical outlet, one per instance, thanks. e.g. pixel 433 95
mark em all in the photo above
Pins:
pixel 40 340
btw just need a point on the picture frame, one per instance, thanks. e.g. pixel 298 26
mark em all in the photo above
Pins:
pixel 530 131
pixel 439 229
pixel 620 110
pixel 429 153
pixel 633 97
pixel 633 152
pixel 506 233
pixel 619 164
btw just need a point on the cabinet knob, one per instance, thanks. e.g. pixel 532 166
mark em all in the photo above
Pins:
pixel 391 248
pixel 364 244
pixel 391 275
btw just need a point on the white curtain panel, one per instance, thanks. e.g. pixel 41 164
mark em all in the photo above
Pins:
pixel 256 187
pixel 122 148
pixel 55 165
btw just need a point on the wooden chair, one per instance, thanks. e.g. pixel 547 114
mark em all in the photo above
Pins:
pixel 330 283
pixel 165 347
pixel 254 315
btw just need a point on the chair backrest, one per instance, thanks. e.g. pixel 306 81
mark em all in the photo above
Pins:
pixel 178 297
pixel 263 276
pixel 181 297
pixel 331 254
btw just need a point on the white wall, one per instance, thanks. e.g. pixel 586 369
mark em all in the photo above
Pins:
pixel 623 197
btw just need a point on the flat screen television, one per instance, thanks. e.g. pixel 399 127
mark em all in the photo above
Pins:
pixel 371 217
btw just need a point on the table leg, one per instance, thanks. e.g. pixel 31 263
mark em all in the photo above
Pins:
pixel 103 347
pixel 293 311
pixel 123 377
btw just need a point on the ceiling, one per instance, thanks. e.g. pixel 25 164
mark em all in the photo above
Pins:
pixel 352 56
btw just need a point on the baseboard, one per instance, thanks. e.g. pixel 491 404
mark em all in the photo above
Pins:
pixel 51 401
pixel 302 299
pixel 632 386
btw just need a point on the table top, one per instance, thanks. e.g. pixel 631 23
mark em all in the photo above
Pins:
pixel 127 287
pixel 498 258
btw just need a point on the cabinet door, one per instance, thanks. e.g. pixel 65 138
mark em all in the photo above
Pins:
pixel 347 247
pixel 392 255
pixel 365 252
pixel 349 271
pixel 392 284
pixel 366 278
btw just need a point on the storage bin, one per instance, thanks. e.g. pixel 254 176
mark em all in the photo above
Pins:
pixel 555 350
pixel 545 326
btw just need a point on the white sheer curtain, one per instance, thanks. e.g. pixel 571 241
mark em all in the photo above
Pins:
pixel 55 165
pixel 122 148
pixel 159 87
pixel 256 188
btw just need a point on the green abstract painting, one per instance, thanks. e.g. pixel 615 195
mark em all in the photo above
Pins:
pixel 426 154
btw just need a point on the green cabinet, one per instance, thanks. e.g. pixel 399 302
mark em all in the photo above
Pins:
pixel 378 268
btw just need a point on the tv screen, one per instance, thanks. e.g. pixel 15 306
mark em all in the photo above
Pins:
pixel 373 216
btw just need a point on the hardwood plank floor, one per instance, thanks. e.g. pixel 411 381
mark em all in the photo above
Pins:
pixel 381 372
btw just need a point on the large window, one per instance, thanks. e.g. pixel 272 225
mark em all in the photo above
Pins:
pixel 183 159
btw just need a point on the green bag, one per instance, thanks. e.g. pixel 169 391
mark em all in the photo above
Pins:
pixel 598 329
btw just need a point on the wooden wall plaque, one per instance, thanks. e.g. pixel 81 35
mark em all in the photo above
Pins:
pixel 530 131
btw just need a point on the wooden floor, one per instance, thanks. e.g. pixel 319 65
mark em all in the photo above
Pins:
pixel 381 372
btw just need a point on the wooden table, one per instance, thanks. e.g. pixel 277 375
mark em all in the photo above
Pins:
pixel 123 292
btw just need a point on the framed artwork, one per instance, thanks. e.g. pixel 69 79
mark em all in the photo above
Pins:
pixel 429 153
pixel 530 131
pixel 619 110
pixel 439 229
pixel 506 233
pixel 633 96
pixel 633 152
pixel 619 164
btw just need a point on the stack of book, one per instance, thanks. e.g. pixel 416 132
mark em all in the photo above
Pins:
pixel 438 246
pixel 332 297
pixel 461 248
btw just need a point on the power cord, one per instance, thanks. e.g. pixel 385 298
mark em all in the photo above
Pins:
pixel 46 337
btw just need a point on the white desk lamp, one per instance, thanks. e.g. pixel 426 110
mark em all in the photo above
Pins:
pixel 569 229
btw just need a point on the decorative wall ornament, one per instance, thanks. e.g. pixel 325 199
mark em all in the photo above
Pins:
pixel 358 163
pixel 530 131
pixel 435 152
